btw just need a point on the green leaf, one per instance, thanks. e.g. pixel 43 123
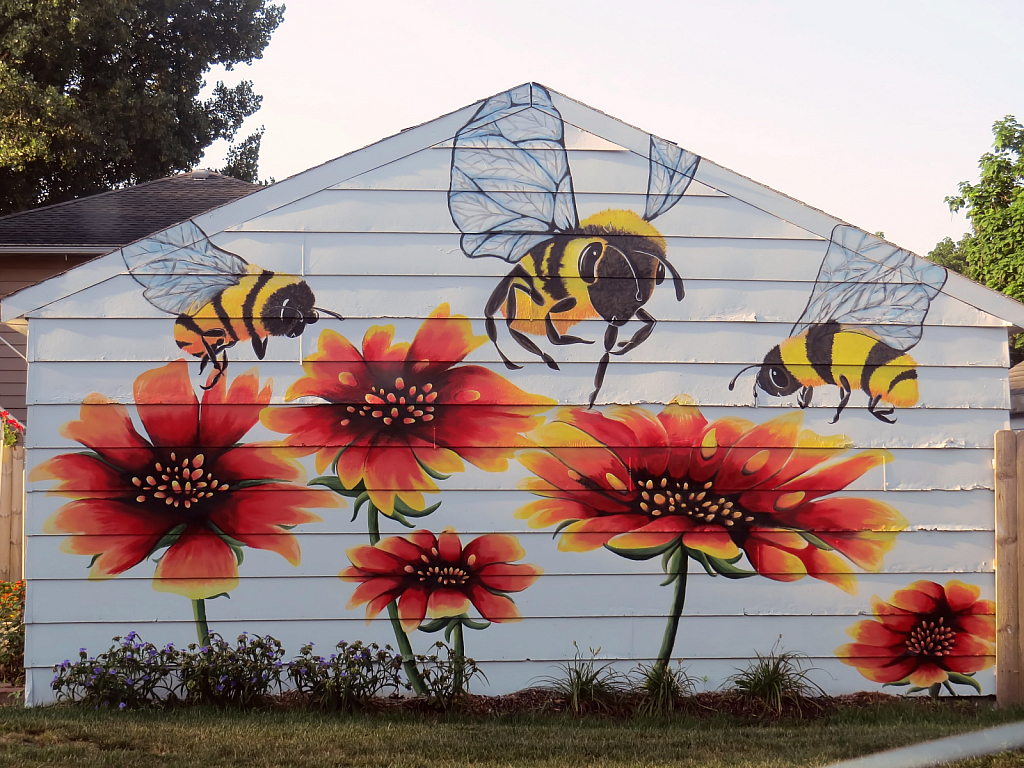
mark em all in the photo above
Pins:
pixel 219 594
pixel 702 558
pixel 473 624
pixel 332 482
pixel 810 538
pixel 642 553
pixel 407 511
pixel 432 472
pixel 960 679
pixel 727 569
pixel 434 626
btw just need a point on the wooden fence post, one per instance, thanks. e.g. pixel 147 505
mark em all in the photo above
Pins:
pixel 6 477
pixel 1007 461
pixel 17 535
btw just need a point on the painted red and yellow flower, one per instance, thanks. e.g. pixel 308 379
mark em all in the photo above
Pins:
pixel 644 484
pixel 187 486
pixel 925 635
pixel 398 415
pixel 436 576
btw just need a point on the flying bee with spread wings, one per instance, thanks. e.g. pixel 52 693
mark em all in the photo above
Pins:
pixel 866 311
pixel 512 198
pixel 220 299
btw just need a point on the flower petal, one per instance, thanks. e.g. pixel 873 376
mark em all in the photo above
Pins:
pixel 927 674
pixel 496 608
pixel 198 565
pixel 505 577
pixel 586 535
pixel 226 415
pixel 960 596
pixel 412 608
pixel 121 535
pixel 168 406
pixel 106 427
pixel 443 603
pixel 760 453
pixel 441 341
pixel 492 548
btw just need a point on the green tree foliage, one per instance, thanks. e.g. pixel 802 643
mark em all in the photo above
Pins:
pixel 96 94
pixel 993 251
pixel 243 159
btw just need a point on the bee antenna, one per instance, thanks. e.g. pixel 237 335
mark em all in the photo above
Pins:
pixel 328 312
pixel 677 281
pixel 732 384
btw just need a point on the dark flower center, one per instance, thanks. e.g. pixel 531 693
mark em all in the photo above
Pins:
pixel 437 572
pixel 178 483
pixel 664 496
pixel 931 638
pixel 401 406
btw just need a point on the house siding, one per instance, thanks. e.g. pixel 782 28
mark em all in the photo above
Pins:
pixel 19 271
pixel 381 248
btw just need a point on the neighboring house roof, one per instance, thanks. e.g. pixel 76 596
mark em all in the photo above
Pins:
pixel 102 222
pixel 267 209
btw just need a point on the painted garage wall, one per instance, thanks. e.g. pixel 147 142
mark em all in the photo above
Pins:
pixel 514 455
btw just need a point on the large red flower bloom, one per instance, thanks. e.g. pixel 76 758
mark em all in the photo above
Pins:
pixel 398 415
pixel 925 635
pixel 437 576
pixel 188 487
pixel 643 484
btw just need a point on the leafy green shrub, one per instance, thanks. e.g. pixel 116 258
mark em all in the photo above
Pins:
pixel 587 685
pixel 226 676
pixel 447 674
pixel 346 680
pixel 132 674
pixel 12 632
pixel 662 686
pixel 776 678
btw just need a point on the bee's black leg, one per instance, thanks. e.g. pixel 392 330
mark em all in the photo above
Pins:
pixel 554 336
pixel 259 346
pixel 521 338
pixel 805 396
pixel 880 415
pixel 844 397
pixel 611 333
pixel 642 334
pixel 500 295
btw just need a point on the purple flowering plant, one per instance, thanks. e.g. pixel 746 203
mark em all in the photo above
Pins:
pixel 348 679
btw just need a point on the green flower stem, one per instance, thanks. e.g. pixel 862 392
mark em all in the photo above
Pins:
pixel 401 638
pixel 202 628
pixel 680 561
pixel 460 655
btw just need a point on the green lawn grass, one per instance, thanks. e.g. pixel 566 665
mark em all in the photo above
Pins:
pixel 201 738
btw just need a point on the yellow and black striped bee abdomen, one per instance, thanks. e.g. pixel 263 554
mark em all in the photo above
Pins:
pixel 261 304
pixel 838 355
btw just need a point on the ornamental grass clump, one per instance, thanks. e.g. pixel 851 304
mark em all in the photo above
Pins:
pixel 131 675
pixel 586 685
pixel 348 679
pixel 776 679
pixel 662 687
pixel 12 632
pixel 223 675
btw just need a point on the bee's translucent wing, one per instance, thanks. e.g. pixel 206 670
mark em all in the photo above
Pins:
pixel 867 282
pixel 181 269
pixel 511 188
pixel 672 170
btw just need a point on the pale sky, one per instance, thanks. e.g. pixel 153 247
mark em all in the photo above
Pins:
pixel 871 111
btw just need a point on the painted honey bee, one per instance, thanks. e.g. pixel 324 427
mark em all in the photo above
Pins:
pixel 866 311
pixel 220 299
pixel 512 198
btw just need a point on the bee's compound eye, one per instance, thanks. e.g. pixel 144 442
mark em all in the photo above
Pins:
pixel 290 313
pixel 588 262
pixel 779 377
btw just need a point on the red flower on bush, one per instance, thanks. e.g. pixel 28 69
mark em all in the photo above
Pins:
pixel 187 488
pixel 436 576
pixel 644 484
pixel 925 635
pixel 399 415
